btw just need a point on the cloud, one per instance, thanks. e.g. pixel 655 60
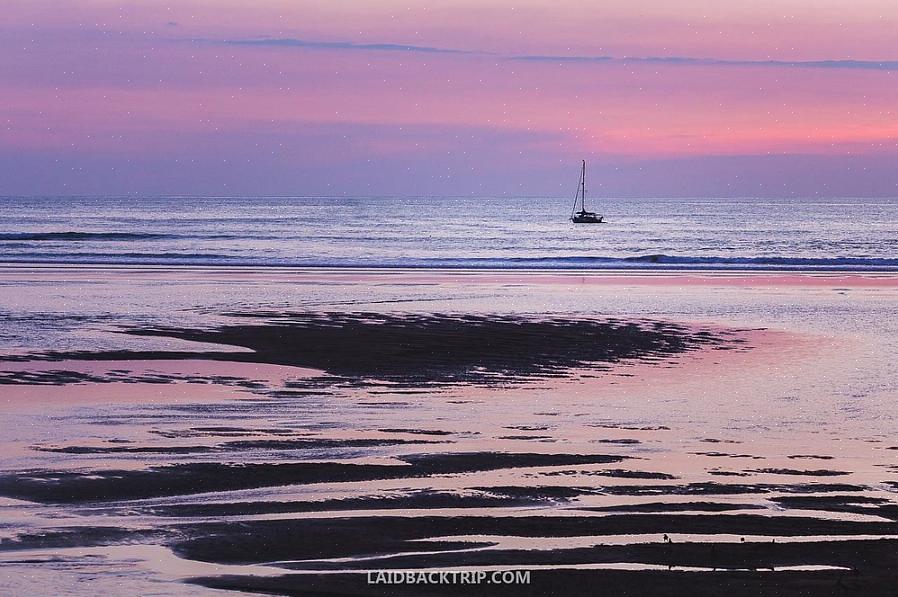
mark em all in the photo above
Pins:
pixel 884 65
pixel 290 42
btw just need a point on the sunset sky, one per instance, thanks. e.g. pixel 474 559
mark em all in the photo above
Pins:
pixel 449 97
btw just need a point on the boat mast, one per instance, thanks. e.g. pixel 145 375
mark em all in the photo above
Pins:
pixel 581 191
pixel 583 187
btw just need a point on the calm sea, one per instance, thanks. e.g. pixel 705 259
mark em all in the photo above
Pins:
pixel 482 232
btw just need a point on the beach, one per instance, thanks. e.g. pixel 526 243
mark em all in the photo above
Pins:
pixel 191 429
pixel 461 299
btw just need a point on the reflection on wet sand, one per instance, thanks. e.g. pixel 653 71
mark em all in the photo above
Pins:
pixel 291 451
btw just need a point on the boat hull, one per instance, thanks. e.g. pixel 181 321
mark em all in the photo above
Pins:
pixel 587 218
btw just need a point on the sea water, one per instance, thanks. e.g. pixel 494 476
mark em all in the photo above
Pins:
pixel 459 232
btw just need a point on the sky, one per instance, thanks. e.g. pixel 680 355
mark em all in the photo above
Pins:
pixel 449 97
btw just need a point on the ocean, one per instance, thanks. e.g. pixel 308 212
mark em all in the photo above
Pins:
pixel 181 429
pixel 458 232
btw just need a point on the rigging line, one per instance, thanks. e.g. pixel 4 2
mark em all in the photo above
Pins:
pixel 576 196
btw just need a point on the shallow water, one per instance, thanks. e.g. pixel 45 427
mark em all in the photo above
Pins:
pixel 806 408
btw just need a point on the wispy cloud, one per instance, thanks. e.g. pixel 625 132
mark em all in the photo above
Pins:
pixel 291 42
pixel 885 65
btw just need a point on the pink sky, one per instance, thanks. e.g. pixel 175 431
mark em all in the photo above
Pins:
pixel 450 97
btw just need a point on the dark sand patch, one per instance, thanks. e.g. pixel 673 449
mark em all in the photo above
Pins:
pixel 248 542
pixel 125 449
pixel 219 431
pixel 624 583
pixel 417 431
pixel 259 444
pixel 706 488
pixel 789 471
pixel 183 479
pixel 418 500
pixel 430 348
pixel 517 496
pixel 714 454
pixel 80 536
pixel 617 472
pixel 322 443
pixel 676 507
pixel 855 504
pixel 62 377
pixel 750 555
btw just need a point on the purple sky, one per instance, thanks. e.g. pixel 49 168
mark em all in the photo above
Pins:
pixel 687 98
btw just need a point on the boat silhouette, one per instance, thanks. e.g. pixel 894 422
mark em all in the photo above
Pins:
pixel 583 216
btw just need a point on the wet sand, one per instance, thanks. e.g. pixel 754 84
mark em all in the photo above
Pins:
pixel 592 434
pixel 412 349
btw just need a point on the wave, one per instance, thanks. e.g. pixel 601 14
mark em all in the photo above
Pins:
pixel 644 262
pixel 770 260
pixel 662 261
pixel 84 236
pixel 119 258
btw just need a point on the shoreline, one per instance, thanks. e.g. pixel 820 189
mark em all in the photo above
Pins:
pixel 638 276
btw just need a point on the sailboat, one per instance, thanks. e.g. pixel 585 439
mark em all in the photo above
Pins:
pixel 583 216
